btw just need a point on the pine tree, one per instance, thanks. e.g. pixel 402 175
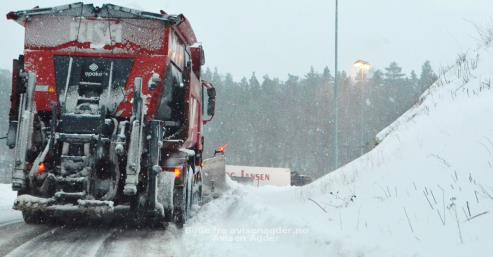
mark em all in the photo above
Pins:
pixel 377 78
pixel 207 74
pixel 253 82
pixel 428 77
pixel 414 84
pixel 216 78
pixel 393 72
pixel 326 75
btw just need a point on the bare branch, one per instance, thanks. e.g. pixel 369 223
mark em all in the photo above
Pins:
pixel 477 215
pixel 319 206
pixel 408 220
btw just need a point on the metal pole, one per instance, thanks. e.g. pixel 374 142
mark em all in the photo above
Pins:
pixel 361 114
pixel 336 89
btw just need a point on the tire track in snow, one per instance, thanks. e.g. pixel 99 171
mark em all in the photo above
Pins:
pixel 10 222
pixel 64 241
pixel 103 248
pixel 20 239
pixel 16 234
pixel 141 242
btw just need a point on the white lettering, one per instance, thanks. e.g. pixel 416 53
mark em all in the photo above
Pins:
pixel 93 74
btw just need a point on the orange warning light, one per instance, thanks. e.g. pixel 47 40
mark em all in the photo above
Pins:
pixel 177 172
pixel 222 149
pixel 41 169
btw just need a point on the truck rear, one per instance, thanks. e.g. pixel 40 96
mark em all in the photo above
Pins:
pixel 107 113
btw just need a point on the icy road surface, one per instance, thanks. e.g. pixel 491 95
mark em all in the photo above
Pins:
pixel 20 239
pixel 23 240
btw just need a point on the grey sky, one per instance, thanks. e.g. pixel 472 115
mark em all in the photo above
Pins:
pixel 278 37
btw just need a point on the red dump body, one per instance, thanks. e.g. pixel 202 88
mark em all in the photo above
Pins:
pixel 148 45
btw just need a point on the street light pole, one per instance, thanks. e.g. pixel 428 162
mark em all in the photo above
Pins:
pixel 336 89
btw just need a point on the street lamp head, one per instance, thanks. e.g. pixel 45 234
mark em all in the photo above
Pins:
pixel 362 68
pixel 361 64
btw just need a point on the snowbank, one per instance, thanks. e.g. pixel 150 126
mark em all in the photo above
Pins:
pixel 426 190
pixel 7 198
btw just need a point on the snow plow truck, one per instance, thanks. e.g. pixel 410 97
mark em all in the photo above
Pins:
pixel 107 113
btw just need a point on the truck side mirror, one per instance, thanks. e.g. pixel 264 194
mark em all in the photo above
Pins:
pixel 210 102
pixel 211 107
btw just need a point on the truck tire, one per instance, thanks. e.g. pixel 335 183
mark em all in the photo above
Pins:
pixel 197 195
pixel 181 207
pixel 35 217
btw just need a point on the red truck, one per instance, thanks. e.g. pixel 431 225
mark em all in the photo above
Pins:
pixel 107 113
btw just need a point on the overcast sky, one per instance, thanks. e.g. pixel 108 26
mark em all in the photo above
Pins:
pixel 278 37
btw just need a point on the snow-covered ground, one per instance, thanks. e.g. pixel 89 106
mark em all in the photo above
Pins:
pixel 7 196
pixel 425 190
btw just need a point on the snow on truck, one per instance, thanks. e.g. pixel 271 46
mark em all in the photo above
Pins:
pixel 107 113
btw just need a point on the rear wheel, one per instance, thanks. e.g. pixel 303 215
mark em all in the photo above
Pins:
pixel 35 217
pixel 184 198
pixel 181 206
pixel 196 191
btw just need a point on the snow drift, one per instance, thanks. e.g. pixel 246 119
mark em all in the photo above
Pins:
pixel 425 190
pixel 7 197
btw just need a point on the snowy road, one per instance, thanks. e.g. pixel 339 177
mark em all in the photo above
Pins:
pixel 20 239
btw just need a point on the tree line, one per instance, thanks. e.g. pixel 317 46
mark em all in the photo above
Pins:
pixel 270 122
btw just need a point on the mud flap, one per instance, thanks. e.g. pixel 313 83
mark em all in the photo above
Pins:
pixel 214 179
pixel 165 190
